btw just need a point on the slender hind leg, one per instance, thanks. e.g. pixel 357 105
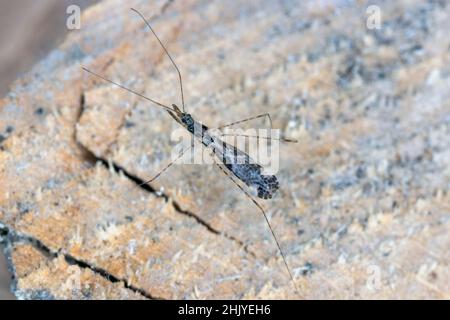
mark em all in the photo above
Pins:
pixel 245 120
pixel 265 217
pixel 256 136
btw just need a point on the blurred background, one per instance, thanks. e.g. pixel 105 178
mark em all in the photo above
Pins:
pixel 29 29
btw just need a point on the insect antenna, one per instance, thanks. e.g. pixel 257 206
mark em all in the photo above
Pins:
pixel 128 89
pixel 168 54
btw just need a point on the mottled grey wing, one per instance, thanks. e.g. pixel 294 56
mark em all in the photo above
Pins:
pixel 245 168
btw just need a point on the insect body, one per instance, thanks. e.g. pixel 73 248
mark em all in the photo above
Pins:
pixel 235 160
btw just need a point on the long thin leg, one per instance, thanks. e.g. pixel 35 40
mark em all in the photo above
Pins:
pixel 248 119
pixel 265 217
pixel 167 167
pixel 259 137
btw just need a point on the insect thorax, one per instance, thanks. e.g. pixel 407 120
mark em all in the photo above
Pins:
pixel 198 129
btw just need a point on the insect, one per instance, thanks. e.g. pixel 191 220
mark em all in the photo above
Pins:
pixel 233 162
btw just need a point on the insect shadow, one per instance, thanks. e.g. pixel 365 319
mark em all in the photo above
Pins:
pixel 233 162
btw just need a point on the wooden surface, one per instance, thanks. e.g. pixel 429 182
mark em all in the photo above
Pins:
pixel 363 207
pixel 22 48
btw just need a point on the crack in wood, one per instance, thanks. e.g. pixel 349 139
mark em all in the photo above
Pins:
pixel 10 236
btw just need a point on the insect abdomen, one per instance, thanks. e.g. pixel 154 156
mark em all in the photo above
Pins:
pixel 268 187
pixel 250 174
